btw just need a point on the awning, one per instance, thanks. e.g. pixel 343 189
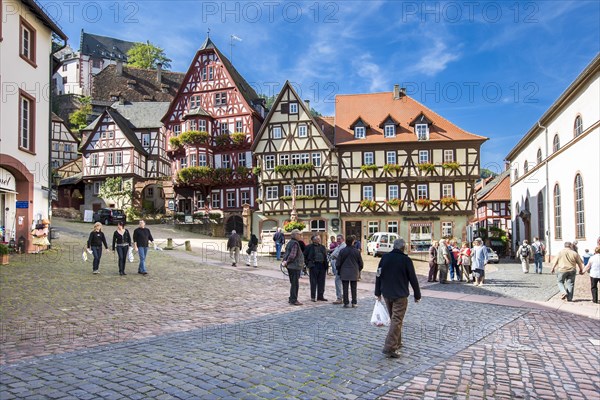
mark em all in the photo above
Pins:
pixel 3 190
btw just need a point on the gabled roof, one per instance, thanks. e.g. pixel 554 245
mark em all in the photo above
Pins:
pixel 196 112
pixel 104 46
pixel 135 85
pixel 374 107
pixel 126 127
pixel 326 124
pixel 361 121
pixel 313 120
pixel 71 180
pixel 56 118
pixel 496 190
pixel 386 119
pixel 44 18
pixel 142 115
pixel 421 119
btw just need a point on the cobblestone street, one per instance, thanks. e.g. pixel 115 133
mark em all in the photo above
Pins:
pixel 197 328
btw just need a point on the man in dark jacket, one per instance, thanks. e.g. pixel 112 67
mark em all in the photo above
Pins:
pixel 315 256
pixel 293 260
pixel 234 244
pixel 349 264
pixel 141 238
pixel 279 240
pixel 395 272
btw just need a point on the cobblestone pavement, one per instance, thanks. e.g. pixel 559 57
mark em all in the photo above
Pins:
pixel 325 352
pixel 541 355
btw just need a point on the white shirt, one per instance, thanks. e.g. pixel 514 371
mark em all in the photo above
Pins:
pixel 594 264
pixel 480 257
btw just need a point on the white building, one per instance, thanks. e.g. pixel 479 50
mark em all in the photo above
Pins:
pixel 555 177
pixel 25 65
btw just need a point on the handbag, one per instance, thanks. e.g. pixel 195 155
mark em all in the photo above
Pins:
pixel 130 254
pixel 248 251
pixel 380 316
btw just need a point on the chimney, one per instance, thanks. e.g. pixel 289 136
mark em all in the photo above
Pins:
pixel 159 72
pixel 402 91
pixel 396 92
pixel 119 68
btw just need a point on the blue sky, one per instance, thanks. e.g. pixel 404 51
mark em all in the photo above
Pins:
pixel 492 68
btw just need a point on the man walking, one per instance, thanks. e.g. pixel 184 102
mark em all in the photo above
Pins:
pixel 394 273
pixel 279 240
pixel 539 251
pixel 293 260
pixel 567 262
pixel 141 238
pixel 443 260
pixel 334 264
pixel 315 256
pixel 234 244
pixel 524 252
pixel 479 261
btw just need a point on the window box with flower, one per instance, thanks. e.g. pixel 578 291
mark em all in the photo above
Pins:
pixel 282 168
pixel 448 201
pixel 423 202
pixel 451 166
pixel 368 167
pixel 194 138
pixel 238 138
pixel 392 168
pixel 368 203
pixel 426 167
pixel 394 202
pixel 291 225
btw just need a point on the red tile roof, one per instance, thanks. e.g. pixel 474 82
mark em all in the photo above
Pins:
pixel 326 125
pixel 375 107
pixel 500 192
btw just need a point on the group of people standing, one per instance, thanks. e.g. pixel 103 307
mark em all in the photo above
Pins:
pixel 122 241
pixel 464 264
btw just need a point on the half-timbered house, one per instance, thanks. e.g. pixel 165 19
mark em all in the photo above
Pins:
pixel 297 169
pixel 210 125
pixel 403 168
pixel 127 140
pixel 64 143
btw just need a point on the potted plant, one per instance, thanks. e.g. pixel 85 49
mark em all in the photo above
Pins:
pixel 451 166
pixel 238 138
pixel 3 254
pixel 391 167
pixel 290 226
pixel 368 167
pixel 423 202
pixel 448 201
pixel 426 167
pixel 393 202
pixel 223 140
pixel 367 203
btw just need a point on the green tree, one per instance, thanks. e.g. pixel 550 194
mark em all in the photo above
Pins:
pixel 117 190
pixel 485 173
pixel 79 117
pixel 147 55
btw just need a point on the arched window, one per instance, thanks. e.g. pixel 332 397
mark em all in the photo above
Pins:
pixel 555 143
pixel 540 215
pixel 525 167
pixel 579 210
pixel 539 156
pixel 557 213
pixel 578 130
pixel 516 172
pixel 517 225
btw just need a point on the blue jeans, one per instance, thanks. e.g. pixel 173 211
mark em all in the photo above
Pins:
pixel 278 251
pixel 97 252
pixel 338 281
pixel 142 251
pixel 539 262
pixel 454 267
pixel 566 283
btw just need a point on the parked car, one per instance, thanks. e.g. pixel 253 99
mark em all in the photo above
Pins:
pixel 492 256
pixel 380 243
pixel 109 216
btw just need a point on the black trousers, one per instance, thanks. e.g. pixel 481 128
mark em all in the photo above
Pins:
pixel 122 253
pixel 433 269
pixel 345 290
pixel 594 282
pixel 294 275
pixel 317 280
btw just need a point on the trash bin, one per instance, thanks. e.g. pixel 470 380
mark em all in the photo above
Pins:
pixel 54 234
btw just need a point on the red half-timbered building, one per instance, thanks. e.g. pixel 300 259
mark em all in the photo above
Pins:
pixel 210 126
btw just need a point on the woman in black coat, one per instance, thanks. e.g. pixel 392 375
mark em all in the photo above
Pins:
pixel 349 264
pixel 94 243
pixel 121 243
pixel 252 249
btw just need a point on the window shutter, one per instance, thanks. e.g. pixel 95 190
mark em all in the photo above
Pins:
pixel 249 159
pixel 217 161
pixel 285 108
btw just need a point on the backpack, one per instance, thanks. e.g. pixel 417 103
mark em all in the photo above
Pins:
pixel 524 251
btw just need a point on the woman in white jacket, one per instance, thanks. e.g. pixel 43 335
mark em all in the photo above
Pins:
pixel 593 266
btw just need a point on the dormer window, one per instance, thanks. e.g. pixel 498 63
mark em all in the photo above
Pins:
pixel 293 108
pixel 422 131
pixel 359 132
pixel 389 131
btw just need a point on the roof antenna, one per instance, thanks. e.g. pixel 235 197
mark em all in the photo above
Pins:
pixel 208 34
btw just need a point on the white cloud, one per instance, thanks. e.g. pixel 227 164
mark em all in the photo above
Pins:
pixel 434 60
pixel 367 69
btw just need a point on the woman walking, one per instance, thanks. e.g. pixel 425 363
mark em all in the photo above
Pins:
pixel 94 243
pixel 349 264
pixel 252 249
pixel 121 242
pixel 433 268
pixel 593 266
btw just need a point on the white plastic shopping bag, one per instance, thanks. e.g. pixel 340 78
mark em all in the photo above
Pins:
pixel 130 254
pixel 380 316
pixel 84 256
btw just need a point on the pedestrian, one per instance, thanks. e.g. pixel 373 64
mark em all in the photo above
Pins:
pixel 443 260
pixel 358 244
pixel 586 257
pixel 350 263
pixel 302 248
pixel 141 239
pixel 395 272
pixel 234 244
pixel 315 257
pixel 465 260
pixel 334 262
pixel 333 244
pixel 455 273
pixel 478 261
pixel 574 246
pixel 293 260
pixel 566 263
pixel 279 240
pixel 433 267
pixel 593 266
pixel 121 242
pixel 251 259
pixel 524 252
pixel 94 243
pixel 539 251
pixel 40 236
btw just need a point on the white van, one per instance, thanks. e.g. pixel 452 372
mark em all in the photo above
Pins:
pixel 381 243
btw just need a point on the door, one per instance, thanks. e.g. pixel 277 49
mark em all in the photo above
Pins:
pixel 354 228
pixel 235 222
